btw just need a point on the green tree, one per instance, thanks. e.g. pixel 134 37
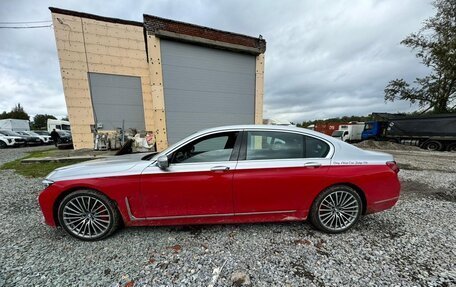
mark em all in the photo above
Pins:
pixel 16 113
pixel 435 46
pixel 40 121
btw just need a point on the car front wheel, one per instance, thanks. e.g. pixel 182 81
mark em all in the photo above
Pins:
pixel 88 215
pixel 336 209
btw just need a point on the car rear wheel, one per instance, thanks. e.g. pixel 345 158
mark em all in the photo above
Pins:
pixel 336 209
pixel 88 215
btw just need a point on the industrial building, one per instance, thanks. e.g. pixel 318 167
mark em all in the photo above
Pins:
pixel 164 76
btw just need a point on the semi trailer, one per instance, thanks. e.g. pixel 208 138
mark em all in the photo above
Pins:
pixel 431 132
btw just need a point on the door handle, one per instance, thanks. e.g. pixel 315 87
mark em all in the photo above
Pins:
pixel 220 168
pixel 312 164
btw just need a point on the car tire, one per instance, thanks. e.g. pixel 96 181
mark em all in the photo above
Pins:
pixel 3 144
pixel 336 209
pixel 88 215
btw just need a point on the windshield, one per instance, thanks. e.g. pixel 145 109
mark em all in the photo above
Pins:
pixel 368 126
pixel 63 133
pixel 10 133
pixel 66 127
pixel 337 133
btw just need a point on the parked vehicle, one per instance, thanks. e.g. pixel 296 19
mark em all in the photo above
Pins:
pixel 65 140
pixel 349 133
pixel 29 140
pixel 45 139
pixel 327 128
pixel 42 133
pixel 9 139
pixel 277 122
pixel 232 174
pixel 14 125
pixel 432 132
pixel 58 125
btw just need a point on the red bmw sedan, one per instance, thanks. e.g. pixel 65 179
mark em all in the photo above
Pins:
pixel 232 174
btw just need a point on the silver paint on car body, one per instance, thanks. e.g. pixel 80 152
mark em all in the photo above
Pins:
pixel 340 153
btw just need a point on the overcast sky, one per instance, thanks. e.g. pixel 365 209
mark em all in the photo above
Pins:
pixel 323 59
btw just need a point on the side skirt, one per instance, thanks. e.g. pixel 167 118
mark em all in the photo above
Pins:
pixel 133 218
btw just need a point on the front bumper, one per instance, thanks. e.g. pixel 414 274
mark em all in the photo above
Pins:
pixel 46 199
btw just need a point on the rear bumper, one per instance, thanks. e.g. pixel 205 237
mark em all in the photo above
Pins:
pixel 382 205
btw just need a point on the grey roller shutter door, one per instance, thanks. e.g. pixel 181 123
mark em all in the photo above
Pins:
pixel 205 87
pixel 116 98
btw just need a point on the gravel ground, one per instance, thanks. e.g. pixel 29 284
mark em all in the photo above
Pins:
pixel 412 244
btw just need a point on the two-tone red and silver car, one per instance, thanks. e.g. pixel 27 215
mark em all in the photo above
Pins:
pixel 231 174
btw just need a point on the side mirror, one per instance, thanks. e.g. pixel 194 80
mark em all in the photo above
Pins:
pixel 162 162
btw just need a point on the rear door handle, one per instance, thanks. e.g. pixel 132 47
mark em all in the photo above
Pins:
pixel 312 164
pixel 220 168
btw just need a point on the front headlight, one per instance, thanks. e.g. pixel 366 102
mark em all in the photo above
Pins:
pixel 47 182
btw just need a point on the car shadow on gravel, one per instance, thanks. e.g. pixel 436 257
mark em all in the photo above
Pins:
pixel 300 228
pixel 418 190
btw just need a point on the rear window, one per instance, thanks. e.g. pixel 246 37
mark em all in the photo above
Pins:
pixel 263 145
pixel 316 148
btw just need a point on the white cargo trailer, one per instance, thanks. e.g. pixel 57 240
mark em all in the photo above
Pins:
pixel 14 125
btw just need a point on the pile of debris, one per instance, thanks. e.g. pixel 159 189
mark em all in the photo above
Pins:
pixel 385 145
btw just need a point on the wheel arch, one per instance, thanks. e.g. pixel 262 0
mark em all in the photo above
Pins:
pixel 358 190
pixel 62 195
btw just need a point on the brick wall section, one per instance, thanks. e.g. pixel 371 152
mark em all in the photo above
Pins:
pixel 154 24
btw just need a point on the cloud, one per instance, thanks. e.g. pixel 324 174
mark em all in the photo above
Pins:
pixel 324 58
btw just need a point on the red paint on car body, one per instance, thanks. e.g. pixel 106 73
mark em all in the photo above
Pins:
pixel 237 196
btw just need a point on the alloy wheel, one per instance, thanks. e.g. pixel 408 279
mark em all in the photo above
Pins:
pixel 338 210
pixel 86 216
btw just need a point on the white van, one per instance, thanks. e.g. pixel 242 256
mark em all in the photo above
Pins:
pixel 58 125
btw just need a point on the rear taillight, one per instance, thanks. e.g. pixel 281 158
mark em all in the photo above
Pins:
pixel 393 166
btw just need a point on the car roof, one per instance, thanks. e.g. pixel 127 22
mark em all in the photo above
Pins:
pixel 268 127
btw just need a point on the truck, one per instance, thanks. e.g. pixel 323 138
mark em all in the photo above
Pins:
pixel 327 128
pixel 431 132
pixel 349 133
pixel 58 125
pixel 14 125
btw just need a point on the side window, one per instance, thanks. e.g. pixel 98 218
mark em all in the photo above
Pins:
pixel 274 145
pixel 316 148
pixel 212 148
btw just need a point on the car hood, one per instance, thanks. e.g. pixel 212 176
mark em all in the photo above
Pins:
pixel 111 166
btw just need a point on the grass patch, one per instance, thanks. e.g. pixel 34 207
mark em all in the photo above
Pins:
pixel 40 169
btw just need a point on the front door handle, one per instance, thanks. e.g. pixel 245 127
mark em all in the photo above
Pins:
pixel 220 168
pixel 312 164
